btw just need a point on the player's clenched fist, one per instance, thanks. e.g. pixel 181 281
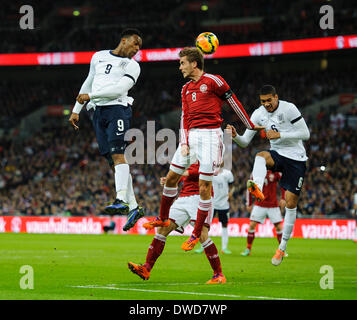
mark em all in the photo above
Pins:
pixel 82 98
pixel 162 181
pixel 231 130
pixel 185 150
pixel 73 119
pixel 271 135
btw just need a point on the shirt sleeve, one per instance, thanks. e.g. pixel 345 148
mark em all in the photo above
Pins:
pixel 87 85
pixel 244 140
pixel 122 87
pixel 301 131
pixel 223 91
pixel 230 177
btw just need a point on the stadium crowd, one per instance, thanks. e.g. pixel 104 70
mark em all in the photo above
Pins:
pixel 302 88
pixel 172 23
pixel 59 172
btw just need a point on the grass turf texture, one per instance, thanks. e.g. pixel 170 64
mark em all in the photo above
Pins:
pixel 62 262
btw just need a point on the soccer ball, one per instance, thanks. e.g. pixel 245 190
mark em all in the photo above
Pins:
pixel 207 42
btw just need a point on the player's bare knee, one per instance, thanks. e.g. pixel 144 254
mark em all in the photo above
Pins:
pixel 204 235
pixel 267 156
pixel 278 227
pixel 165 231
pixel 118 158
pixel 205 189
pixel 172 179
pixel 252 225
pixel 291 200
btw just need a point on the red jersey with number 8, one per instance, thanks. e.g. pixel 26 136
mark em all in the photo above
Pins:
pixel 202 104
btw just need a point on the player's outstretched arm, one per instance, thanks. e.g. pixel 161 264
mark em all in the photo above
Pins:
pixel 244 140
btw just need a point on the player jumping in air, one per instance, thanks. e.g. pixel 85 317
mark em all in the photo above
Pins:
pixel 285 129
pixel 269 207
pixel 112 74
pixel 182 212
pixel 223 191
pixel 201 137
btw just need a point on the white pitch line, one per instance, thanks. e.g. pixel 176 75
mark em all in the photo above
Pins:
pixel 180 292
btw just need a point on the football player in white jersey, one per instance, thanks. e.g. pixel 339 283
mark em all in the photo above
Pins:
pixel 112 74
pixel 285 129
pixel 222 192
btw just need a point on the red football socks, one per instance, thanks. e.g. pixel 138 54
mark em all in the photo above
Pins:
pixel 155 251
pixel 212 256
pixel 168 197
pixel 204 208
pixel 250 239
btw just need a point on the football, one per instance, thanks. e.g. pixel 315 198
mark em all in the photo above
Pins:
pixel 207 42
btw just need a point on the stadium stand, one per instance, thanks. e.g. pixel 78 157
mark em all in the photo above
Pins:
pixel 172 24
pixel 57 171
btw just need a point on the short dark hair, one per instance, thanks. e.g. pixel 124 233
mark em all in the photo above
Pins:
pixel 193 54
pixel 129 32
pixel 267 89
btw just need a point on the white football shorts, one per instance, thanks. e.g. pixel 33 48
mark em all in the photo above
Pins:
pixel 259 214
pixel 206 146
pixel 184 210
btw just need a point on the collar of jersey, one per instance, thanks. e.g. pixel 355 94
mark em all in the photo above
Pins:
pixel 116 55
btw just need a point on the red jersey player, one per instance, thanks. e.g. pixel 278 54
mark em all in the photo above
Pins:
pixel 201 136
pixel 182 212
pixel 269 207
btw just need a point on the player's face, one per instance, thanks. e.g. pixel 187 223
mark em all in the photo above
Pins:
pixel 269 101
pixel 132 45
pixel 186 67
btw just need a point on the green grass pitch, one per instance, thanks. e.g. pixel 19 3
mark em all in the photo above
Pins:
pixel 75 267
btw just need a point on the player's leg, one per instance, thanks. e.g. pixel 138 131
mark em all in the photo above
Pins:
pixel 169 194
pixel 292 181
pixel 212 256
pixel 255 185
pixel 154 252
pixel 178 166
pixel 136 211
pixel 201 249
pixel 117 120
pixel 250 238
pixel 208 146
pixel 99 124
pixel 279 231
pixel 180 216
pixel 223 216
pixel 204 207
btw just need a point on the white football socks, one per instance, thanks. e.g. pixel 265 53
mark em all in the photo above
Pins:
pixel 224 238
pixel 289 221
pixel 121 176
pixel 130 194
pixel 259 171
